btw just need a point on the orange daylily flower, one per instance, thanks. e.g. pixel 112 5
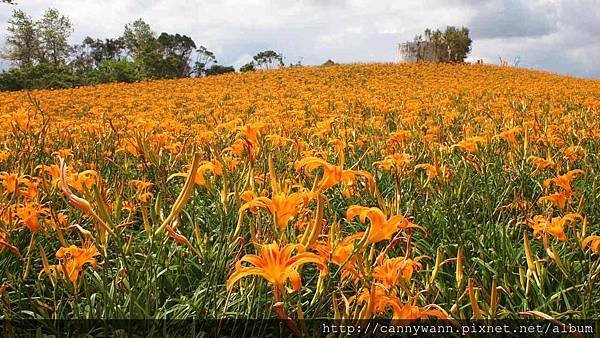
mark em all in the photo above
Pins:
pixel 29 215
pixel 237 147
pixel 433 171
pixel 4 155
pixel 85 179
pixel 276 265
pixel 573 153
pixel 593 242
pixel 278 140
pixel 249 136
pixel 397 161
pixel 555 226
pixel 64 153
pixel 10 181
pixel 251 132
pixel 142 193
pixel 282 206
pixel 342 250
pixel 339 253
pixel 248 196
pixel 564 181
pixel 214 167
pixel 381 228
pixel 391 269
pixel 333 174
pixel 54 171
pixel 541 163
pixel 130 147
pixel 29 190
pixel 379 300
pixel 560 198
pixel 469 145
pixel 73 259
pixel 510 135
pixel 399 137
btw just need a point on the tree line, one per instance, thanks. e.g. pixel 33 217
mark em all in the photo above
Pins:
pixel 450 45
pixel 42 57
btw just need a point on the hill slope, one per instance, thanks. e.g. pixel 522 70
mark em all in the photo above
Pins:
pixel 376 179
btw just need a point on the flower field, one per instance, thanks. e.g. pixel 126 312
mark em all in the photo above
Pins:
pixel 348 192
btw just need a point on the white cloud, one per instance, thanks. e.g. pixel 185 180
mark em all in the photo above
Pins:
pixel 555 35
pixel 242 60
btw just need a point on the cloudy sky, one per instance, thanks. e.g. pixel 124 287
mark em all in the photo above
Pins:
pixel 561 36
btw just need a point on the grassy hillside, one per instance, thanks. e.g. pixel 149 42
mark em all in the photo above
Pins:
pixel 380 190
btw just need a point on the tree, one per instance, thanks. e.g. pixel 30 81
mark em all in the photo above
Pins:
pixel 248 67
pixel 55 30
pixel 218 70
pixel 138 38
pixel 268 59
pixel 328 63
pixel 91 53
pixel 40 76
pixel 115 71
pixel 458 42
pixel 23 40
pixel 452 45
pixel 82 58
pixel 204 57
pixel 440 49
pixel 176 50
pixel 168 57
pixel 46 40
pixel 107 50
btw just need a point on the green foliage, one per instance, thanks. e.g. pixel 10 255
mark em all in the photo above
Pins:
pixel 329 62
pixel 9 80
pixel 452 45
pixel 109 49
pixel 218 69
pixel 459 43
pixel 54 31
pixel 268 59
pixel 47 75
pixel 115 71
pixel 30 42
pixel 249 67
pixel 204 57
pixel 156 66
pixel 41 76
pixel 138 38
pixel 175 50
pixel 44 59
pixel 23 46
